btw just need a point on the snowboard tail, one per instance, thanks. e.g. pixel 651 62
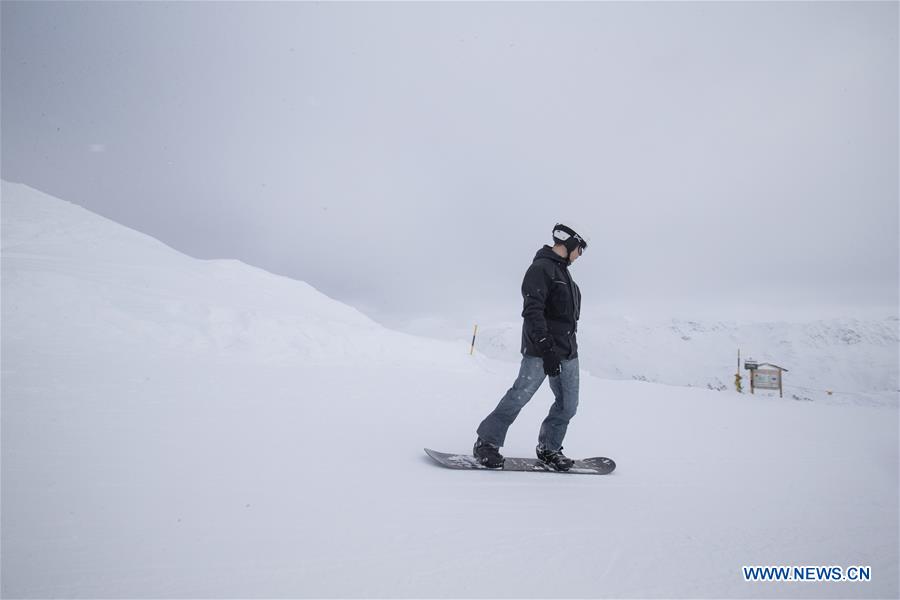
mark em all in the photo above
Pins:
pixel 597 465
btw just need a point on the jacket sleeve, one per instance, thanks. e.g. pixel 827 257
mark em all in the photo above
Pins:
pixel 535 291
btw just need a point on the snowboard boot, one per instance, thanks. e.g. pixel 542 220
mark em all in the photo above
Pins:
pixel 555 460
pixel 488 454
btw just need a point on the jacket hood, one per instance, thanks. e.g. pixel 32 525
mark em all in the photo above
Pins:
pixel 547 252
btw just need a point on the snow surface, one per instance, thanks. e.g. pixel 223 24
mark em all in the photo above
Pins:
pixel 173 427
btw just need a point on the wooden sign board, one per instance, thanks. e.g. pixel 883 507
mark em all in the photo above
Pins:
pixel 767 379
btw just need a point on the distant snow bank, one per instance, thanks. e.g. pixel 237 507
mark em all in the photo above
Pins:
pixel 69 274
pixel 856 359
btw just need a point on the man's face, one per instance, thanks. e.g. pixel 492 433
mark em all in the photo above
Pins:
pixel 574 254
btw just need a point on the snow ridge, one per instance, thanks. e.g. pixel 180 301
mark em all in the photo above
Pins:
pixel 68 270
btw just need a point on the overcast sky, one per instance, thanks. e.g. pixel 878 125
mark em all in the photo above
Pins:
pixel 410 158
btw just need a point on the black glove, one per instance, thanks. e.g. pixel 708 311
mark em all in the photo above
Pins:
pixel 551 359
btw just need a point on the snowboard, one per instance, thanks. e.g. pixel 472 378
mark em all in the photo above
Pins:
pixel 597 465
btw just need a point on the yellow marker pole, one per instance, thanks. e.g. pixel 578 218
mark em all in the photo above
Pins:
pixel 472 349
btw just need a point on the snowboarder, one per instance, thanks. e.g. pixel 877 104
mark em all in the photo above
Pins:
pixel 552 305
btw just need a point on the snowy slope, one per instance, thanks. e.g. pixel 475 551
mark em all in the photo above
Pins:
pixel 182 428
pixel 75 276
pixel 855 358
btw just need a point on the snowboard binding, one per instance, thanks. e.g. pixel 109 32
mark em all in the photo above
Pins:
pixel 554 460
pixel 488 454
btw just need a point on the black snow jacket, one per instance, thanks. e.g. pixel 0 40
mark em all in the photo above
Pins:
pixel 552 304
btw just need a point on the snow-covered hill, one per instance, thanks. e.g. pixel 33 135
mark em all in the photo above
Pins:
pixel 182 428
pixel 856 359
pixel 71 276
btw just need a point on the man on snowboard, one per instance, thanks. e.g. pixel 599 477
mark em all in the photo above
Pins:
pixel 551 310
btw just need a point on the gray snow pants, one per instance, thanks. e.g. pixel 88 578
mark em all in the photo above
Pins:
pixel 531 375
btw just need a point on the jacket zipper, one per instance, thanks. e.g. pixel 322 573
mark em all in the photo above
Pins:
pixel 574 300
